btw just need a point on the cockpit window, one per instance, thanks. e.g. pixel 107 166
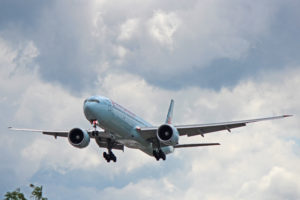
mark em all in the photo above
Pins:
pixel 92 100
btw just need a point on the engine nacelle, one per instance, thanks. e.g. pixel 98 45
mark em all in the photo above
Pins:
pixel 79 138
pixel 167 134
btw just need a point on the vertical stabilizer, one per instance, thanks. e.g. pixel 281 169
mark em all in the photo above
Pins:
pixel 170 113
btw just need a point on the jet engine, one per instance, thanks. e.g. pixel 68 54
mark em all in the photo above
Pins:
pixel 167 134
pixel 79 138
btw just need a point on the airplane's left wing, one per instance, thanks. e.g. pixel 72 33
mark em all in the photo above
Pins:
pixel 201 129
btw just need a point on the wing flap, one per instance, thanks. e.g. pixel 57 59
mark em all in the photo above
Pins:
pixel 201 130
pixel 195 145
pixel 147 132
pixel 56 134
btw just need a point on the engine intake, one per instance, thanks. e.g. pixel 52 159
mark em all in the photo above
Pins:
pixel 167 134
pixel 79 138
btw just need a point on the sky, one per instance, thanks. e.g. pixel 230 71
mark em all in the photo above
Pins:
pixel 219 60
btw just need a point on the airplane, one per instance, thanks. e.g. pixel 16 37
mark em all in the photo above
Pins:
pixel 122 128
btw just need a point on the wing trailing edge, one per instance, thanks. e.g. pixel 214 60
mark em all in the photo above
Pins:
pixel 195 145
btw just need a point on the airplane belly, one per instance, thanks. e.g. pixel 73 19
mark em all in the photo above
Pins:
pixel 130 143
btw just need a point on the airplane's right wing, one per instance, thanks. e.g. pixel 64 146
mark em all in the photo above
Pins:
pixel 100 136
pixel 46 132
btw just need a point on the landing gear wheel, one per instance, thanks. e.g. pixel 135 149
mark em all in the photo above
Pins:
pixel 106 156
pixel 159 155
pixel 109 156
pixel 113 158
pixel 155 154
pixel 162 155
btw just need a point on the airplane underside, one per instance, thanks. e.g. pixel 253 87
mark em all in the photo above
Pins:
pixel 132 144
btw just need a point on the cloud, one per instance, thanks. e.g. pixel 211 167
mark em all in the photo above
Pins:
pixel 128 29
pixel 51 60
pixel 277 184
pixel 163 42
pixel 162 27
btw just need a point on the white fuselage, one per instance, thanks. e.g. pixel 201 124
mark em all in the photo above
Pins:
pixel 119 123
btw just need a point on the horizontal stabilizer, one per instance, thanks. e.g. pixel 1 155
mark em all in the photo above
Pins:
pixel 195 145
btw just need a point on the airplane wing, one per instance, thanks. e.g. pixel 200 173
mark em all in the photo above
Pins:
pixel 100 136
pixel 201 129
pixel 46 132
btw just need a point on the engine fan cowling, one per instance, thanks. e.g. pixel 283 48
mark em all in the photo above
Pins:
pixel 79 138
pixel 167 134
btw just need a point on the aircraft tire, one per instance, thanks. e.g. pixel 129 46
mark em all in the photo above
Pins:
pixel 156 155
pixel 113 157
pixel 106 156
pixel 162 155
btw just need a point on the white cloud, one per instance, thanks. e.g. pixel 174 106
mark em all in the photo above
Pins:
pixel 128 29
pixel 59 155
pixel 279 183
pixel 162 27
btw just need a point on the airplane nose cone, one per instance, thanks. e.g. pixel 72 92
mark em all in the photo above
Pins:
pixel 95 108
pixel 88 108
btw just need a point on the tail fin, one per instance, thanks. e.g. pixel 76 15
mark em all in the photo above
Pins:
pixel 170 113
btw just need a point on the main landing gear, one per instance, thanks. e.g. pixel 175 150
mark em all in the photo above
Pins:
pixel 109 156
pixel 159 155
